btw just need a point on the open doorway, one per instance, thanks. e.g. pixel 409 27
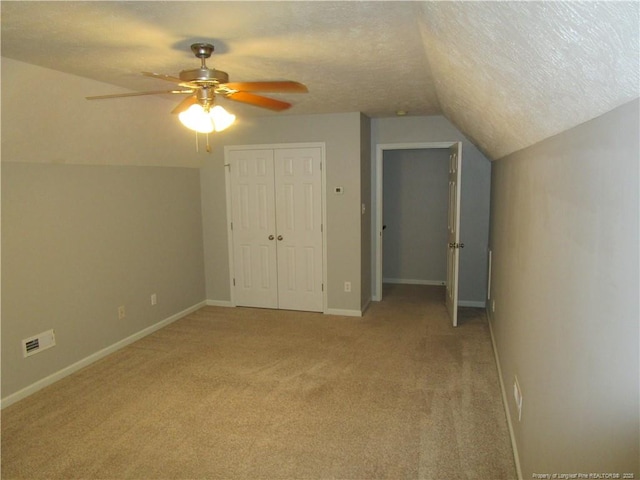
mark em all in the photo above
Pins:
pixel 453 213
pixel 414 215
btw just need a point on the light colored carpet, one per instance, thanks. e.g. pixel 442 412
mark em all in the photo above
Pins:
pixel 239 393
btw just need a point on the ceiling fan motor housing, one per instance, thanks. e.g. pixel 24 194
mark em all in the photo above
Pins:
pixel 204 76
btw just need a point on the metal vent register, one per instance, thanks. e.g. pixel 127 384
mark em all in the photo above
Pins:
pixel 42 341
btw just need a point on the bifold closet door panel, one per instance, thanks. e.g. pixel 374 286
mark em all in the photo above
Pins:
pixel 254 228
pixel 298 186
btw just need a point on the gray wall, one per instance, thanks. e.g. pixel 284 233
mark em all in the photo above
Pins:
pixel 564 239
pixel 475 193
pixel 341 134
pixel 98 211
pixel 415 201
pixel 46 119
pixel 79 241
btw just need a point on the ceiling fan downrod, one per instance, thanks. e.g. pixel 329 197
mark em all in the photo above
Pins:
pixel 203 76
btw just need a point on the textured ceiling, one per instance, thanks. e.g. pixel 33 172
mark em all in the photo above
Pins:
pixel 507 74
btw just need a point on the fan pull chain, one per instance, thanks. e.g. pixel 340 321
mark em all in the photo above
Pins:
pixel 198 144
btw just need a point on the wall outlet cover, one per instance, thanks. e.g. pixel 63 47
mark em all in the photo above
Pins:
pixel 517 396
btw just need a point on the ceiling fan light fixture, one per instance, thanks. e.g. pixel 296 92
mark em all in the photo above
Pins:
pixel 221 118
pixel 196 119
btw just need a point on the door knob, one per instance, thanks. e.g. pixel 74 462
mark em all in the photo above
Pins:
pixel 271 237
pixel 279 237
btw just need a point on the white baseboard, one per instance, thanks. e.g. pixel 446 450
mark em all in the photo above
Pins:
pixel 410 281
pixel 219 303
pixel 505 400
pixel 471 303
pixel 60 374
pixel 343 312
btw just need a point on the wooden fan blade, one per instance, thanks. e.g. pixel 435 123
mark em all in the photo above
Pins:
pixel 259 101
pixel 162 76
pixel 184 104
pixel 285 86
pixel 136 94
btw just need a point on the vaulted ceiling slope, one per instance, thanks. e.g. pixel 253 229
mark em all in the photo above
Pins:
pixel 507 74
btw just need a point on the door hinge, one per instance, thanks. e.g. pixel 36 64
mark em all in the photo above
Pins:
pixel 321 228
pixel 231 225
pixel 322 287
pixel 456 245
pixel 234 282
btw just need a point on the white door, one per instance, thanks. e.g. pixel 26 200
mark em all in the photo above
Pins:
pixel 453 228
pixel 298 183
pixel 277 228
pixel 253 228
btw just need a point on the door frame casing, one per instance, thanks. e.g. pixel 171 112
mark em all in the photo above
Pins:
pixel 380 149
pixel 227 177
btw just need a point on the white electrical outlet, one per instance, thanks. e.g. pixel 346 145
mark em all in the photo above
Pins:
pixel 493 306
pixel 121 312
pixel 517 396
pixel 347 287
pixel 154 299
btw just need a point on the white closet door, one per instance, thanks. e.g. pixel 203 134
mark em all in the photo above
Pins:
pixel 298 184
pixel 253 228
pixel 276 209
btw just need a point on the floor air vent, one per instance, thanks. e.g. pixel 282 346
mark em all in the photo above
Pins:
pixel 42 341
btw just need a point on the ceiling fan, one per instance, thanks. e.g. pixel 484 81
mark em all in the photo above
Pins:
pixel 203 84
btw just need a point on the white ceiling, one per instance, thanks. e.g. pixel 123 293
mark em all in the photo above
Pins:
pixel 507 74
